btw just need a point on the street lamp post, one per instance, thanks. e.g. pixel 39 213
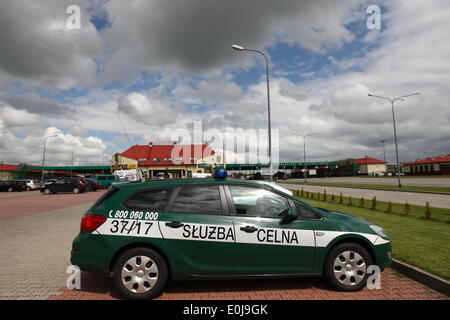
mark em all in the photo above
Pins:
pixel 43 157
pixel 392 100
pixel 239 48
pixel 304 151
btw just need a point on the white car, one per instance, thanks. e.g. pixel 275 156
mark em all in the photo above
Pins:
pixel 32 184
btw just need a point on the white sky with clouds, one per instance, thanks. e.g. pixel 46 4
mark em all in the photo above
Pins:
pixel 164 64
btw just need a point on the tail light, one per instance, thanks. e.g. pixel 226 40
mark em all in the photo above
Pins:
pixel 90 222
pixel 81 183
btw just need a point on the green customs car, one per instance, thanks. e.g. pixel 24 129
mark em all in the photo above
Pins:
pixel 143 234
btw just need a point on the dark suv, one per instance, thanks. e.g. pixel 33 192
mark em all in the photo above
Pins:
pixel 70 184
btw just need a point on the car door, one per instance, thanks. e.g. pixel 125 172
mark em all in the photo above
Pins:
pixel 198 230
pixel 60 186
pixel 267 242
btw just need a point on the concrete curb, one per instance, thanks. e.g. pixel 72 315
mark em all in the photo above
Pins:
pixel 439 284
pixel 366 188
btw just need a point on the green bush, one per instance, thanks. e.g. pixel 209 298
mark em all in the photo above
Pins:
pixel 374 203
pixel 427 211
pixel 361 202
pixel 407 208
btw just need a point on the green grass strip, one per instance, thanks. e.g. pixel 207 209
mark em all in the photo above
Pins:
pixel 375 186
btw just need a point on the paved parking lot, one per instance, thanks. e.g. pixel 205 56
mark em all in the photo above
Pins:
pixel 36 232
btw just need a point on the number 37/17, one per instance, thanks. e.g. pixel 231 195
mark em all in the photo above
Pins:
pixel 130 227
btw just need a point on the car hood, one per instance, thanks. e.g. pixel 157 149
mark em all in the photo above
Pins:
pixel 347 222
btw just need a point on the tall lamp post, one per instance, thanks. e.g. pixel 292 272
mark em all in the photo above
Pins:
pixel 43 156
pixel 392 100
pixel 304 150
pixel 239 48
pixel 384 150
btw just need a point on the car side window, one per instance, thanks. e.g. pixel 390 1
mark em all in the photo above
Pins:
pixel 305 212
pixel 198 199
pixel 258 202
pixel 154 200
pixel 101 178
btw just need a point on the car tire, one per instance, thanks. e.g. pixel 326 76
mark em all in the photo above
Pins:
pixel 47 191
pixel 76 190
pixel 140 274
pixel 346 267
pixel 28 188
pixel 10 189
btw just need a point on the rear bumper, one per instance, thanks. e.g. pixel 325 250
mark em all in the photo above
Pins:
pixel 92 255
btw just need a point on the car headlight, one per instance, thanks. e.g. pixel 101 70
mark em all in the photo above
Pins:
pixel 379 230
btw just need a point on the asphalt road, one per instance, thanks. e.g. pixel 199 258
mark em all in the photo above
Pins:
pixel 435 200
pixel 421 182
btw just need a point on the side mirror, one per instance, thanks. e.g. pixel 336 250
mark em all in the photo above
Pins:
pixel 292 212
pixel 291 215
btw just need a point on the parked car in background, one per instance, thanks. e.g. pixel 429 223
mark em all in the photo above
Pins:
pixel 91 184
pixel 106 180
pixel 13 185
pixel 31 184
pixel 69 184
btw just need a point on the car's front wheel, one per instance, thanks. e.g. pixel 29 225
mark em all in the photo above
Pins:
pixel 47 191
pixel 140 273
pixel 10 189
pixel 346 267
pixel 76 190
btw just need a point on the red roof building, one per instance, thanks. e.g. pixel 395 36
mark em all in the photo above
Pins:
pixel 173 160
pixel 429 166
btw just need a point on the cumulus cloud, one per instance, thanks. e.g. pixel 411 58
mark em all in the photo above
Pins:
pixel 58 149
pixel 38 49
pixel 188 44
pixel 34 103
pixel 195 35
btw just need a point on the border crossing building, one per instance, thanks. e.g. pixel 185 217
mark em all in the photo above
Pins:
pixel 173 160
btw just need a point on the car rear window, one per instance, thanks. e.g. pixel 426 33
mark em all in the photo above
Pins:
pixel 108 194
pixel 154 200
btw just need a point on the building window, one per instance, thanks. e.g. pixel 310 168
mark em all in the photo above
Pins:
pixel 156 160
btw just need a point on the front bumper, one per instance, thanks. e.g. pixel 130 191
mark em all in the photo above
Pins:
pixel 383 254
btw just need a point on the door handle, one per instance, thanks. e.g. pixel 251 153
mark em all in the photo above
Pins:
pixel 174 224
pixel 249 229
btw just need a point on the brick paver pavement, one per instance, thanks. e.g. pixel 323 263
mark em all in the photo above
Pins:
pixel 35 249
pixel 393 287
pixel 22 204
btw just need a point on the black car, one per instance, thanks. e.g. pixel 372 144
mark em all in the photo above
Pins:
pixel 91 184
pixel 13 185
pixel 70 184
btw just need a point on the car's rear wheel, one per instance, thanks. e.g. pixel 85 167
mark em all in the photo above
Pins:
pixel 28 188
pixel 140 273
pixel 76 190
pixel 346 267
pixel 47 191
pixel 10 189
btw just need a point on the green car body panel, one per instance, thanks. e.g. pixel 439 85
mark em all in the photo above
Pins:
pixel 213 245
